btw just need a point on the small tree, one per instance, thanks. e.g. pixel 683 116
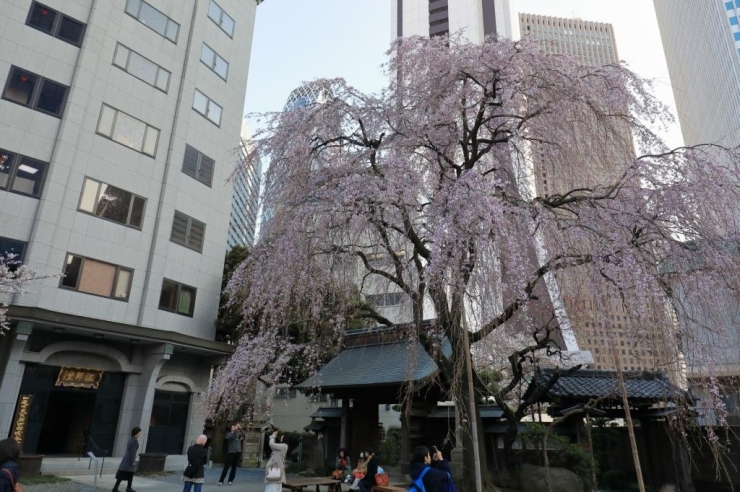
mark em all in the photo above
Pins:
pixel 14 280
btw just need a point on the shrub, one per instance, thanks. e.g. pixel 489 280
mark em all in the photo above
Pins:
pixel 562 453
pixel 390 449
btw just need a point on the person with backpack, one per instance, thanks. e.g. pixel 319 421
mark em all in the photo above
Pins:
pixel 10 450
pixel 430 473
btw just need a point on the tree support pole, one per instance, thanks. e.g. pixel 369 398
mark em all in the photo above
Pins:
pixel 473 413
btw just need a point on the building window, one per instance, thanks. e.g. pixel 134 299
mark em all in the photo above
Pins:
pixel 318 398
pixel 221 18
pixel 188 232
pixel 96 277
pixel 285 392
pixel 111 203
pixel 21 174
pixel 34 91
pixel 177 297
pixel 198 165
pixel 205 106
pixel 55 24
pixel 153 19
pixel 384 300
pixel 11 252
pixel 141 67
pixel 127 130
pixel 213 61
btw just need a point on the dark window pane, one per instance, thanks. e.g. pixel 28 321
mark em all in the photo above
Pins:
pixel 179 228
pixel 42 17
pixel 6 161
pixel 205 173
pixel 20 86
pixel 168 296
pixel 71 271
pixel 11 246
pixel 195 238
pixel 51 97
pixel 190 161
pixel 186 300
pixel 137 212
pixel 29 177
pixel 71 30
pixel 114 204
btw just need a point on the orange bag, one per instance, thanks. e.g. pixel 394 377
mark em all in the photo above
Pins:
pixel 381 479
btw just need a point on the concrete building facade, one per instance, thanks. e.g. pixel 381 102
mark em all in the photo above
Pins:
pixel 701 41
pixel 116 118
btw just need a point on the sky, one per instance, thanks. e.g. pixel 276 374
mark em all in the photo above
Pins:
pixel 301 40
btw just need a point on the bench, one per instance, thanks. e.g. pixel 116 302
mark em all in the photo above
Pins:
pixel 388 488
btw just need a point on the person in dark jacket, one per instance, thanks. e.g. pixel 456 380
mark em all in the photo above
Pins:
pixel 233 454
pixel 439 473
pixel 9 452
pixel 128 464
pixel 198 458
pixel 368 482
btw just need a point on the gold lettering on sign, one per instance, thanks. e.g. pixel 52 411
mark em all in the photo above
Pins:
pixel 22 409
pixel 79 377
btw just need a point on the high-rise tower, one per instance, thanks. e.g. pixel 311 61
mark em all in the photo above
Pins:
pixel 475 18
pixel 118 118
pixel 597 320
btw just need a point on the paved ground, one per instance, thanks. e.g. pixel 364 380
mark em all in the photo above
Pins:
pixel 246 480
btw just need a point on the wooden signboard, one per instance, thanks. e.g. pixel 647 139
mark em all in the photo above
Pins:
pixel 22 409
pixel 79 377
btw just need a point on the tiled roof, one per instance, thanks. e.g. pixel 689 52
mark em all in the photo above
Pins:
pixel 376 365
pixel 583 384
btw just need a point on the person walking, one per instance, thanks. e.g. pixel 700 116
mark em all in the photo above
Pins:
pixel 127 468
pixel 10 450
pixel 275 468
pixel 233 454
pixel 193 476
pixel 433 469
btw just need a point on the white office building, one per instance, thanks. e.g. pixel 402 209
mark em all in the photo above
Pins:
pixel 117 116
pixel 475 18
pixel 701 40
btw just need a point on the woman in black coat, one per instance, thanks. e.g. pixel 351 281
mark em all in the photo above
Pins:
pixel 9 452
pixel 367 483
pixel 197 460
pixel 438 473
pixel 128 464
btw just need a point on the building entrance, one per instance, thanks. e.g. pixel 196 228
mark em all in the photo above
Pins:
pixel 64 420
pixel 167 425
